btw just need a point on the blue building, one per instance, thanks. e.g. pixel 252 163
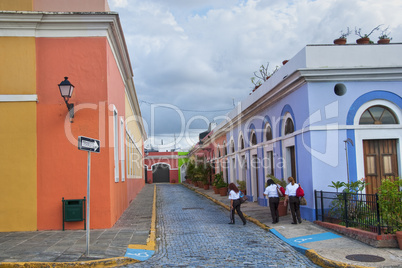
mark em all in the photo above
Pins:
pixel 332 113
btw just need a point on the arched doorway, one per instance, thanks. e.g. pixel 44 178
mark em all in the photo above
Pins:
pixel 160 173
pixel 380 153
pixel 183 170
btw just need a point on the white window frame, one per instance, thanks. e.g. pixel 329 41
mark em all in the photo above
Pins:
pixel 286 143
pixel 376 132
pixel 122 151
pixel 116 144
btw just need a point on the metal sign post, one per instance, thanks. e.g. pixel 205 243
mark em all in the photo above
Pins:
pixel 90 145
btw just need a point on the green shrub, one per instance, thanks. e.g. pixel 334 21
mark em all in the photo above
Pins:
pixel 390 203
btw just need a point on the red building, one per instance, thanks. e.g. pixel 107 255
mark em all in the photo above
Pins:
pixel 162 167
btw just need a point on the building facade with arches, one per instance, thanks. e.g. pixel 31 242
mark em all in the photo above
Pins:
pixel 332 113
pixel 165 167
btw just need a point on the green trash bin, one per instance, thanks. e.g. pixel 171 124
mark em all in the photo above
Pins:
pixel 74 210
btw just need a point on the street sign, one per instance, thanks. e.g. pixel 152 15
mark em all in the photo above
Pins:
pixel 91 146
pixel 88 144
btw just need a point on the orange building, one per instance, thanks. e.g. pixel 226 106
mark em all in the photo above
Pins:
pixel 39 162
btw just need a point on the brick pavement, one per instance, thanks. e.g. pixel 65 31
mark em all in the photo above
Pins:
pixel 194 232
pixel 107 246
pixel 136 226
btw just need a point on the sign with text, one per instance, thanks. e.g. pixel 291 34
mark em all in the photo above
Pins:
pixel 88 144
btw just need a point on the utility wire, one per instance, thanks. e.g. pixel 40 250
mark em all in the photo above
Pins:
pixel 189 110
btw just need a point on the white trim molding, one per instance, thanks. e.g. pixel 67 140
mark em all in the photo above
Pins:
pixel 18 98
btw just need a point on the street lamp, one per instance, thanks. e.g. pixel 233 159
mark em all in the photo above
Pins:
pixel 66 91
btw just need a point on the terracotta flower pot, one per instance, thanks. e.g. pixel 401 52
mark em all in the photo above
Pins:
pixel 363 41
pixel 340 41
pixel 206 186
pixel 223 191
pixel 216 190
pixel 282 210
pixel 399 238
pixel 383 41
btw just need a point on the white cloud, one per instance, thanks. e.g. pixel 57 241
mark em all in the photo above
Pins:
pixel 200 54
pixel 118 3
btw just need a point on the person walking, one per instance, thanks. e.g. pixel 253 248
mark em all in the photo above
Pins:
pixel 273 198
pixel 234 196
pixel 294 201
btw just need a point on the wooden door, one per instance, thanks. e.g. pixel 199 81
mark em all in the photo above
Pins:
pixel 160 173
pixel 380 161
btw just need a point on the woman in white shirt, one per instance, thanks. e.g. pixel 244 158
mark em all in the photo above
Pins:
pixel 234 196
pixel 272 192
pixel 294 201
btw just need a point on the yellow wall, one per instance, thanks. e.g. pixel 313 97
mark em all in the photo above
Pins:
pixel 17 68
pixel 133 128
pixel 18 166
pixel 18 192
pixel 16 5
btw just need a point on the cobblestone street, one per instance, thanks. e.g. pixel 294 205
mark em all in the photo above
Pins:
pixel 194 232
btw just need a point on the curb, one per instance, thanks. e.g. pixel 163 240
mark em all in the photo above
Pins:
pixel 309 253
pixel 112 262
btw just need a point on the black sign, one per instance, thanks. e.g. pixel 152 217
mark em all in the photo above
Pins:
pixel 88 144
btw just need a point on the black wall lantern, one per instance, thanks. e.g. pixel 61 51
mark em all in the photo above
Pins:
pixel 66 91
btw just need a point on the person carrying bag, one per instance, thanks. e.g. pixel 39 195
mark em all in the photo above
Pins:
pixel 234 196
pixel 273 192
pixel 294 200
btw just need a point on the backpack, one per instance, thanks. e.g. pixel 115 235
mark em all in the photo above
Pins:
pixel 282 190
pixel 299 191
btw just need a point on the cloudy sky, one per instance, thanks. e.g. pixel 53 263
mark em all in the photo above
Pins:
pixel 193 59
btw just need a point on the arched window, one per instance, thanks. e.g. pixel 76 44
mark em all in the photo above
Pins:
pixel 253 139
pixel 241 143
pixel 378 115
pixel 219 151
pixel 268 133
pixel 232 146
pixel 225 149
pixel 289 127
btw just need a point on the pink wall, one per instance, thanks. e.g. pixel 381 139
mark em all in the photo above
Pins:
pixel 71 5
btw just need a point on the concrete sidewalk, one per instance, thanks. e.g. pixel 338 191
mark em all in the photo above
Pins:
pixel 107 247
pixel 323 246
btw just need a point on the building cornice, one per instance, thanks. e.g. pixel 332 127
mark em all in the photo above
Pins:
pixel 352 74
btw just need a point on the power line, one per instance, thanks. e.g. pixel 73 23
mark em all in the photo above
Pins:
pixel 189 110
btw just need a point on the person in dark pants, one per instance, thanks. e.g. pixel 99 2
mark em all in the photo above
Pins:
pixel 234 196
pixel 273 198
pixel 294 201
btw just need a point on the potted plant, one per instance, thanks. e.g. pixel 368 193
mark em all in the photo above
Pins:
pixel 342 39
pixel 223 187
pixel 384 37
pixel 282 209
pixel 190 171
pixel 242 186
pixel 217 178
pixel 365 38
pixel 206 183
